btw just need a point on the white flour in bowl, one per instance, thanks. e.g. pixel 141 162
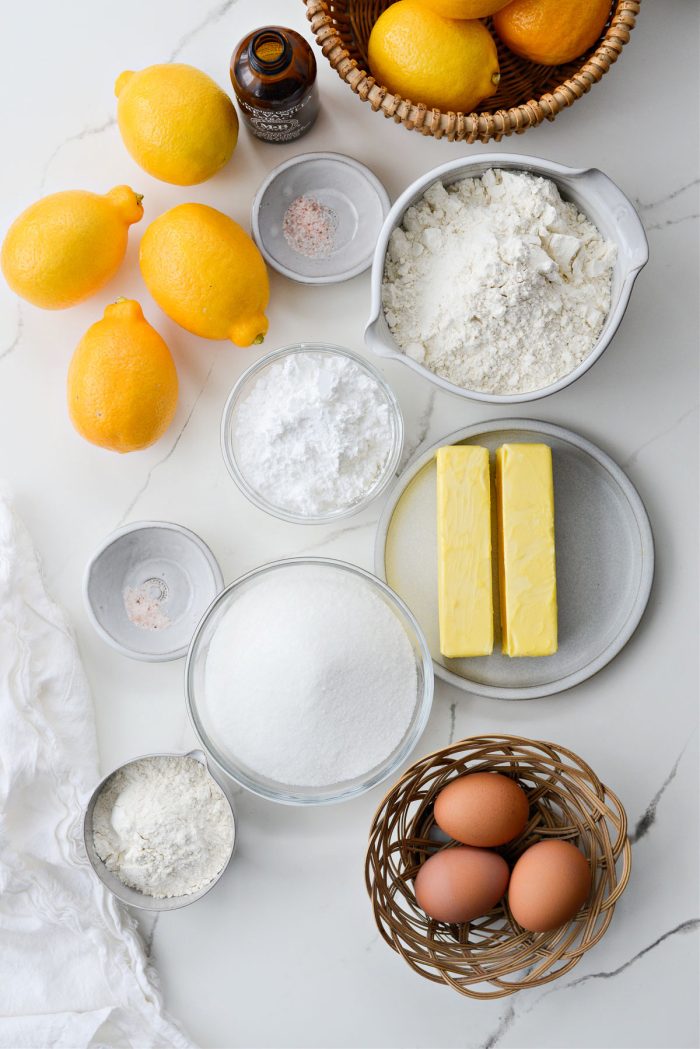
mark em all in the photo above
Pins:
pixel 163 826
pixel 496 283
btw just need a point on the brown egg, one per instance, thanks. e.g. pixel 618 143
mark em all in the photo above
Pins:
pixel 459 884
pixel 549 884
pixel 482 808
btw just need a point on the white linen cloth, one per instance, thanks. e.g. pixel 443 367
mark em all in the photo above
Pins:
pixel 73 970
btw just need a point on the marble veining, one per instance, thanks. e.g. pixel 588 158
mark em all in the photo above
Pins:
pixel 648 817
pixel 295 888
pixel 634 456
pixel 173 448
pixel 513 1014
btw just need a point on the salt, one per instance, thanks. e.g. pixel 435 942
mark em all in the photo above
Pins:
pixel 309 228
pixel 310 678
pixel 143 605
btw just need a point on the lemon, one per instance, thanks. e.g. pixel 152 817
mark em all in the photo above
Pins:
pixel 206 273
pixel 66 246
pixel 551 32
pixel 443 63
pixel 176 122
pixel 122 382
pixel 465 8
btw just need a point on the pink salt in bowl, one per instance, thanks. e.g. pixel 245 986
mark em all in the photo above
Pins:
pixel 316 218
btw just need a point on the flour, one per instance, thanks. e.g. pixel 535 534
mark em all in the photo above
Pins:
pixel 163 826
pixel 496 283
pixel 314 434
pixel 310 678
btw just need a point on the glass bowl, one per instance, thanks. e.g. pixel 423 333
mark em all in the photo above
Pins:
pixel 228 442
pixel 272 789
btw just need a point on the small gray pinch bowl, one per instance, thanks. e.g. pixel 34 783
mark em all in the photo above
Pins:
pixel 593 193
pixel 180 572
pixel 228 442
pixel 353 192
pixel 125 893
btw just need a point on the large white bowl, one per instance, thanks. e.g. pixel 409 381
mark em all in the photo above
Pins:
pixel 594 194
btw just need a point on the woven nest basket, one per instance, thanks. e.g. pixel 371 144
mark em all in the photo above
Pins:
pixel 527 93
pixel 492 956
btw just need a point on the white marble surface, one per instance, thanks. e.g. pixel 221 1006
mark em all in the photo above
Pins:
pixel 284 951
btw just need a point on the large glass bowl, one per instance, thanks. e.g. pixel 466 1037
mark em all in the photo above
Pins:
pixel 271 789
pixel 229 444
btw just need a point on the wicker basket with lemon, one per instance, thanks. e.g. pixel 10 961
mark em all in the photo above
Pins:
pixel 471 69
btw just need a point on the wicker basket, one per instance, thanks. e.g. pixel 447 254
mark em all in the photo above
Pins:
pixel 527 93
pixel 493 956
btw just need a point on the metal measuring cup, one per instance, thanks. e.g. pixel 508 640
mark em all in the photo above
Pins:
pixel 125 893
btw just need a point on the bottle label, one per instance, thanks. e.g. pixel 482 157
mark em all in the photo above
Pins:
pixel 276 127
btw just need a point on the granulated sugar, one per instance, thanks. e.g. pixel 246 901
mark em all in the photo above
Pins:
pixel 310 678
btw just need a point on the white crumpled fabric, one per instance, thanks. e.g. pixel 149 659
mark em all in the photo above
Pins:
pixel 73 971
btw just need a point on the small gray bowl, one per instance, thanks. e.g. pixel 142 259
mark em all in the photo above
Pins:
pixel 164 563
pixel 354 193
pixel 125 893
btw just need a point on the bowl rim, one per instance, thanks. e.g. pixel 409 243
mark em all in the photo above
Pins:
pixel 295 161
pixel 381 773
pixel 128 895
pixel 109 540
pixel 635 237
pixel 237 391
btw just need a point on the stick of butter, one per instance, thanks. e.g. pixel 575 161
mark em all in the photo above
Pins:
pixel 527 563
pixel 465 589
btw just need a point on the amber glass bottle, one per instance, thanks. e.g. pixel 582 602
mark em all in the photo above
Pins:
pixel 273 72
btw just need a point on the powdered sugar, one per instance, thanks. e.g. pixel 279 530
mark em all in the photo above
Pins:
pixel 496 283
pixel 163 826
pixel 310 678
pixel 314 433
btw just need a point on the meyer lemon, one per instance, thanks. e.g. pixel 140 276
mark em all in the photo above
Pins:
pixel 465 8
pixel 176 122
pixel 66 246
pixel 122 382
pixel 445 64
pixel 551 32
pixel 206 273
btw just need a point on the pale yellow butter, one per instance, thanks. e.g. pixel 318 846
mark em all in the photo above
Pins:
pixel 465 589
pixel 527 561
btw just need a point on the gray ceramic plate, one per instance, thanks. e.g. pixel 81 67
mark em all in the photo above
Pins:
pixel 605 561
